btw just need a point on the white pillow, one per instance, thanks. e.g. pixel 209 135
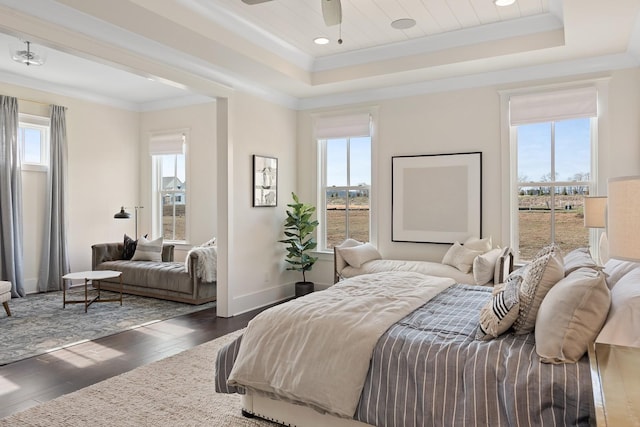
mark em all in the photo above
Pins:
pixel 623 322
pixel 358 255
pixel 616 269
pixel 571 316
pixel 148 250
pixel 484 266
pixel 211 242
pixel 460 257
pixel 476 244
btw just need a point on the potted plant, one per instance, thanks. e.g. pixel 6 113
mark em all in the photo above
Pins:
pixel 299 228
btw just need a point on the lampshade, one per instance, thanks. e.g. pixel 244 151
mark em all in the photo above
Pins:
pixel 122 214
pixel 623 225
pixel 595 211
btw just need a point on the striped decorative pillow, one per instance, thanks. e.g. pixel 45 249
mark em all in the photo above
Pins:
pixel 499 313
pixel 148 250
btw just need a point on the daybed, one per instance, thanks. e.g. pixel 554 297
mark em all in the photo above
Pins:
pixel 405 349
pixel 353 258
pixel 167 280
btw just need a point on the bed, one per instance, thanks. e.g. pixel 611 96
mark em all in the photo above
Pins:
pixel 432 365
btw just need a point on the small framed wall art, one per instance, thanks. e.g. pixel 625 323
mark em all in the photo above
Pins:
pixel 265 181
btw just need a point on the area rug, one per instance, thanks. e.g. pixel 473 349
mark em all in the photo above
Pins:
pixel 176 391
pixel 39 324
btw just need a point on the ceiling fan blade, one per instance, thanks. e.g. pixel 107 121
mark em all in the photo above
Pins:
pixel 252 2
pixel 331 12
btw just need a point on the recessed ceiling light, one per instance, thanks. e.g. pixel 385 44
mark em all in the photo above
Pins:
pixel 321 40
pixel 403 23
pixel 504 2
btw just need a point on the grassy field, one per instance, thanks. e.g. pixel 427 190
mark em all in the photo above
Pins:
pixel 534 222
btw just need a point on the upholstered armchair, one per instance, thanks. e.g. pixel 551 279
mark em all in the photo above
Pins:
pixel 5 295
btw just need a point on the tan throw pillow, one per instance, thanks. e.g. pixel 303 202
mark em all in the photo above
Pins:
pixel 460 257
pixel 499 313
pixel 476 244
pixel 578 258
pixel 358 255
pixel 551 247
pixel 484 266
pixel 538 277
pixel 148 250
pixel 571 316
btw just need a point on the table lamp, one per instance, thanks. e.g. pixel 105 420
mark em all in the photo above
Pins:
pixel 623 225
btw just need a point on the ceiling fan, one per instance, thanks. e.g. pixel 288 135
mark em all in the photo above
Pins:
pixel 331 10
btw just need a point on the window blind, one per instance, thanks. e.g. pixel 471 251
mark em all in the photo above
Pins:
pixel 172 143
pixel 553 106
pixel 343 126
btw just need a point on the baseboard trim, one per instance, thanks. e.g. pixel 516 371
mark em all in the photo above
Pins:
pixel 247 302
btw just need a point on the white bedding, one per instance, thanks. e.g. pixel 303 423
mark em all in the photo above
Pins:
pixel 327 339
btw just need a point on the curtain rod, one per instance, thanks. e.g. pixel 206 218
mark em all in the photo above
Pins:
pixel 38 102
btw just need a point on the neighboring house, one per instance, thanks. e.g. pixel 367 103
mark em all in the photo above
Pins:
pixel 178 189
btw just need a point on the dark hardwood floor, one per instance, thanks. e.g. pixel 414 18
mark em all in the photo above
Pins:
pixel 28 382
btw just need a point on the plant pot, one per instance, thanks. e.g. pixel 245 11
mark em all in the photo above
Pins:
pixel 303 288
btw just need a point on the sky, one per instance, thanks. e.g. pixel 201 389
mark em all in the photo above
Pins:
pixel 360 162
pixel 573 149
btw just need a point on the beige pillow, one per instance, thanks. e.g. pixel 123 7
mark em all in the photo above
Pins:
pixel 476 244
pixel 537 278
pixel 460 257
pixel 623 322
pixel 571 316
pixel 577 258
pixel 148 250
pixel 358 255
pixel 484 266
pixel 499 313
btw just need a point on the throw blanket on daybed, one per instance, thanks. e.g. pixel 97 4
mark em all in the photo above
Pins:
pixel 428 369
pixel 206 262
pixel 316 349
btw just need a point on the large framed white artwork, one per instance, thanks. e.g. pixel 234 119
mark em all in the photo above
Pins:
pixel 436 198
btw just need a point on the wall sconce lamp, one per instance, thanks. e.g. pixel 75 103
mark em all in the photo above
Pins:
pixel 126 215
pixel 623 224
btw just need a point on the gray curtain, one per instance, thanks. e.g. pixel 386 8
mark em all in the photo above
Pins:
pixel 11 261
pixel 54 261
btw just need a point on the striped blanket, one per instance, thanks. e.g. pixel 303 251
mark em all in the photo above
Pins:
pixel 428 370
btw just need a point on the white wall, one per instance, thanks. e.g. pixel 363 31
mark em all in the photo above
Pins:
pixel 461 121
pixel 103 172
pixel 256 267
pixel 200 120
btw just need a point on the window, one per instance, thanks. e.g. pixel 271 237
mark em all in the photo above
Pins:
pixel 33 140
pixel 345 179
pixel 553 172
pixel 170 186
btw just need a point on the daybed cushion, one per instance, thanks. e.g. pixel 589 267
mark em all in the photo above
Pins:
pixel 148 250
pixel 357 255
pixel 460 257
pixel 424 267
pixel 571 316
pixel 622 326
pixel 537 278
